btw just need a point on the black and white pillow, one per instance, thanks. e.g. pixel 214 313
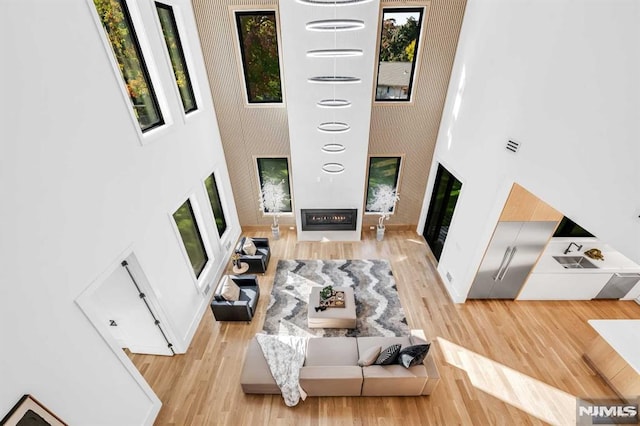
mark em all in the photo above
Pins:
pixel 388 355
pixel 413 355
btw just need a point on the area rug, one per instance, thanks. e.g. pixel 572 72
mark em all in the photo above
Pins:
pixel 378 308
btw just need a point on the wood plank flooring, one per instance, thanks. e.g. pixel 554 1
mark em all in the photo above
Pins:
pixel 529 353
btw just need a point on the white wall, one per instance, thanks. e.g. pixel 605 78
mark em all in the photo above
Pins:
pixel 561 77
pixel 77 189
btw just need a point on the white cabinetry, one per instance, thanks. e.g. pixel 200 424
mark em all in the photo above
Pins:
pixel 563 286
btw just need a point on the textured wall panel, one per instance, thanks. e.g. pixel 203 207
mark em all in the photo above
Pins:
pixel 246 131
pixel 411 129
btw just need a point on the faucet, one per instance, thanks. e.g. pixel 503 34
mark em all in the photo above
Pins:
pixel 568 249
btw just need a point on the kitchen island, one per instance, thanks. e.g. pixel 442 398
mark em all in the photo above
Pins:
pixel 615 355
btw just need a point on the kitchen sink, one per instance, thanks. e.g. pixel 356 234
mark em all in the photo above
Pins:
pixel 574 262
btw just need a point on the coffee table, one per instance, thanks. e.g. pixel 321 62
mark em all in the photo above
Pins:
pixel 332 317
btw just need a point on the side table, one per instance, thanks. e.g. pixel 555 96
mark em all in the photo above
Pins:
pixel 241 268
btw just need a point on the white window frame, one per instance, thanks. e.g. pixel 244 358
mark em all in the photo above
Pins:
pixel 141 35
pixel 223 204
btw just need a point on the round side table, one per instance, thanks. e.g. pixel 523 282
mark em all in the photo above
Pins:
pixel 241 268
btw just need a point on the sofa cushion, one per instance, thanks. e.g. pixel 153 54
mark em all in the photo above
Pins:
pixel 326 351
pixel 413 355
pixel 247 294
pixel 248 247
pixel 369 356
pixel 337 380
pixel 230 290
pixel 388 355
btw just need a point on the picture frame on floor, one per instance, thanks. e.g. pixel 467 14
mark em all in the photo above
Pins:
pixel 29 410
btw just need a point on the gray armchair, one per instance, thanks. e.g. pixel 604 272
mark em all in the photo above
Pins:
pixel 242 309
pixel 257 262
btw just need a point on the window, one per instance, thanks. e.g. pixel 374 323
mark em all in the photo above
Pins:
pixel 216 205
pixel 259 49
pixel 382 171
pixel 176 54
pixel 399 37
pixel 116 20
pixel 188 228
pixel 274 175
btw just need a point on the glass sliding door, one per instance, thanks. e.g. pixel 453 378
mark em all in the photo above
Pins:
pixel 443 203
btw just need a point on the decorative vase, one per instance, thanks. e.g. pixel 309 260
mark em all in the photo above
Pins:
pixel 275 231
pixel 380 232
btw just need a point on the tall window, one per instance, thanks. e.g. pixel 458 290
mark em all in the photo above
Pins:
pixel 274 175
pixel 176 54
pixel 191 238
pixel 382 171
pixel 122 36
pixel 216 205
pixel 260 61
pixel 399 37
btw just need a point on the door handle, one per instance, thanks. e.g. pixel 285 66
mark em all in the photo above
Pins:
pixel 496 277
pixel 506 268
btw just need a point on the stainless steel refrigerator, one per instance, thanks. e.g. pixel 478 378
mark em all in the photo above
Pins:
pixel 512 253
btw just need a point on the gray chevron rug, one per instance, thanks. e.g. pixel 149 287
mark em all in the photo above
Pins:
pixel 378 308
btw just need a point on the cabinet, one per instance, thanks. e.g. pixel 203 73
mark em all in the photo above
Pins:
pixel 621 376
pixel 563 286
pixel 522 205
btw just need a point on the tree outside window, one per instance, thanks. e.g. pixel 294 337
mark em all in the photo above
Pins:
pixel 191 238
pixel 121 34
pixel 399 37
pixel 176 54
pixel 259 46
pixel 274 172
pixel 216 204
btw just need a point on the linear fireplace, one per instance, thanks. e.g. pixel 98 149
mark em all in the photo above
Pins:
pixel 329 219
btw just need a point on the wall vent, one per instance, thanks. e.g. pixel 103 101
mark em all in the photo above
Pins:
pixel 513 146
pixel 449 277
pixel 227 245
pixel 207 289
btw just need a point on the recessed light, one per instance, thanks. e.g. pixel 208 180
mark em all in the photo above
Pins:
pixel 334 79
pixel 334 53
pixel 335 25
pixel 332 168
pixel 334 103
pixel 333 148
pixel 333 2
pixel 334 127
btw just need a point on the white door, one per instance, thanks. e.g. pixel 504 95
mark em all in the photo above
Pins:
pixel 119 306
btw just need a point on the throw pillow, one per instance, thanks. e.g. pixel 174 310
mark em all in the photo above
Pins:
pixel 249 247
pixel 230 290
pixel 413 355
pixel 388 355
pixel 369 356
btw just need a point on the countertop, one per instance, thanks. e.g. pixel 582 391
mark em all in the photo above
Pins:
pixel 613 262
pixel 623 336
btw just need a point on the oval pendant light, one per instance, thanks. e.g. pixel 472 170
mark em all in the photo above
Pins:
pixel 334 53
pixel 334 127
pixel 333 148
pixel 334 79
pixel 335 25
pixel 334 103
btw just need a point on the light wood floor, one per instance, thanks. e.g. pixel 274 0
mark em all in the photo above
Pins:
pixel 525 353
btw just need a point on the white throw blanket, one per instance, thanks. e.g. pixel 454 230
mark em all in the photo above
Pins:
pixel 285 356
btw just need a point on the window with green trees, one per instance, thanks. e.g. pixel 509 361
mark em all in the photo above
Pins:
pixel 216 204
pixel 399 37
pixel 260 61
pixel 191 238
pixel 118 25
pixel 382 171
pixel 275 173
pixel 176 54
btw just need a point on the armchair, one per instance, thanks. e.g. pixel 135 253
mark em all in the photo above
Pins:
pixel 242 309
pixel 257 262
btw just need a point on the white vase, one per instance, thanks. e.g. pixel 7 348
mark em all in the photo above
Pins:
pixel 275 232
pixel 380 232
